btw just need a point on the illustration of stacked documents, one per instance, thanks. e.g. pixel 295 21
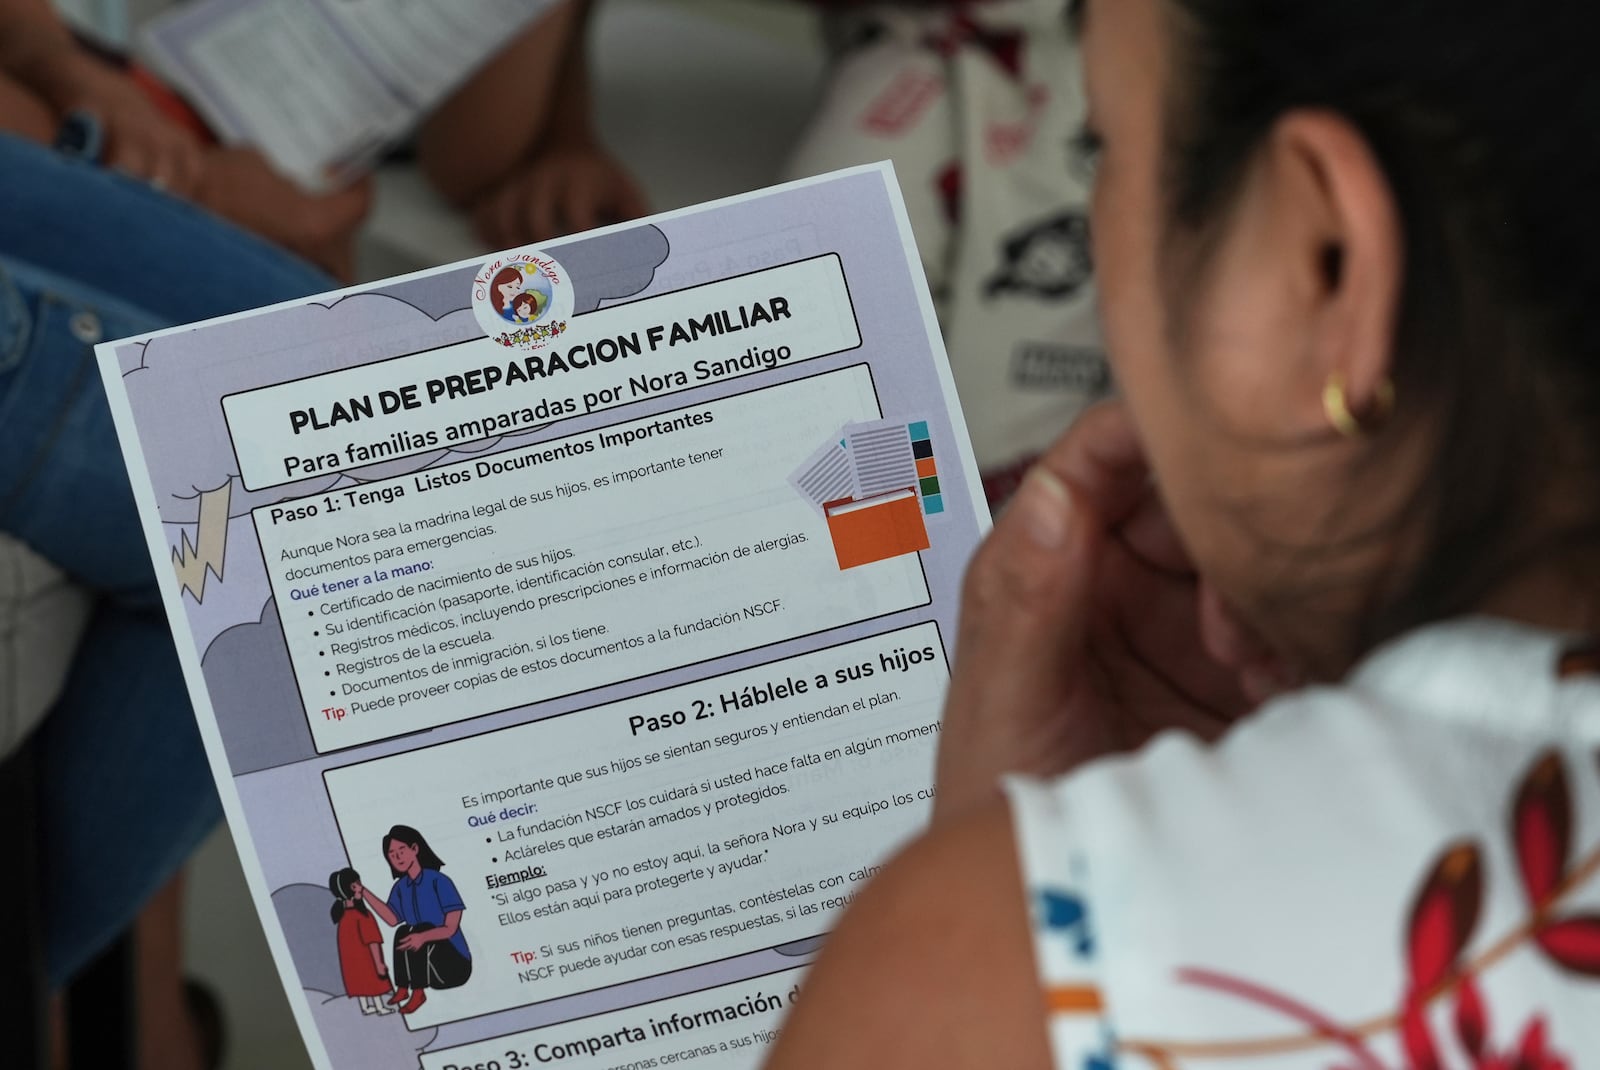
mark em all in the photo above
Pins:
pixel 873 485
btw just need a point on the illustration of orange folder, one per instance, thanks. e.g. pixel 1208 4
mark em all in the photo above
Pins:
pixel 877 528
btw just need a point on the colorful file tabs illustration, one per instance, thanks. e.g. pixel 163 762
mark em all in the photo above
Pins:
pixel 873 484
pixel 927 468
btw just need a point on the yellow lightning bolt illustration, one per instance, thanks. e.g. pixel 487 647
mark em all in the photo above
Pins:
pixel 191 561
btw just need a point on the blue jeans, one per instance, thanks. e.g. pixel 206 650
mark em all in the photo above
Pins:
pixel 86 256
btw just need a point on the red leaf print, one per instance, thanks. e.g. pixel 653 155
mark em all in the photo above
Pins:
pixel 1573 943
pixel 1421 1054
pixel 1443 916
pixel 1535 1054
pixel 1472 1021
pixel 1541 826
pixel 1533 1041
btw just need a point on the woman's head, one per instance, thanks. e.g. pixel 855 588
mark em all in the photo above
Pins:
pixel 404 847
pixel 506 285
pixel 342 883
pixel 1372 192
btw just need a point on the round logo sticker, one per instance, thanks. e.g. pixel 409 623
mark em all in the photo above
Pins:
pixel 522 299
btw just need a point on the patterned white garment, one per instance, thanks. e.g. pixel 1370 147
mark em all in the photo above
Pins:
pixel 1398 873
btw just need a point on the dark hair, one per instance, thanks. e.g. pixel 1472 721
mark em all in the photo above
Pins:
pixel 411 838
pixel 1495 350
pixel 503 276
pixel 525 297
pixel 341 883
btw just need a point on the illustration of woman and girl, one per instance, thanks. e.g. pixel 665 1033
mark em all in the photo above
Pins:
pixel 423 907
pixel 513 299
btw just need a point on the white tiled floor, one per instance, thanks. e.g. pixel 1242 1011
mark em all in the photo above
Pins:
pixel 702 97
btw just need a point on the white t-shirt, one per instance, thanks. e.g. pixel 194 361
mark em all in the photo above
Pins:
pixel 1393 873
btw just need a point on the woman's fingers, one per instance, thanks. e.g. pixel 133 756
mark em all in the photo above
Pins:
pixel 557 195
pixel 342 211
pixel 1025 611
pixel 1262 671
pixel 541 204
pixel 187 163
pixel 1225 638
pixel 1102 460
pixel 1155 615
pixel 1149 535
pixel 1023 614
pixel 328 226
pixel 130 158
pixel 162 166
pixel 493 217
pixel 1146 584
pixel 147 146
pixel 631 201
pixel 506 216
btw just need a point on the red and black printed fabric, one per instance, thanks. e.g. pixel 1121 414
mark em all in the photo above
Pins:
pixel 976 104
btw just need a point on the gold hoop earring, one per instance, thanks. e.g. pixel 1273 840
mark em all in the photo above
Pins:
pixel 1337 407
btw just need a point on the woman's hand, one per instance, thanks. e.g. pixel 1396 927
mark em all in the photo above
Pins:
pixel 568 187
pixel 1084 628
pixel 241 186
pixel 140 141
pixel 416 941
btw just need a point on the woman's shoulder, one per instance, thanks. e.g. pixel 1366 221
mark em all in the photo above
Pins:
pixel 1327 847
pixel 1423 740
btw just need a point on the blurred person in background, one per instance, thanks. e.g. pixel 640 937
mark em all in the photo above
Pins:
pixel 57 89
pixel 516 145
pixel 975 101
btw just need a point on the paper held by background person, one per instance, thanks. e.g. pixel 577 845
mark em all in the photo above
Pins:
pixel 322 87
pixel 570 627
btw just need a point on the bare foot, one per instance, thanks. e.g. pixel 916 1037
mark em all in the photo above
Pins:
pixel 240 186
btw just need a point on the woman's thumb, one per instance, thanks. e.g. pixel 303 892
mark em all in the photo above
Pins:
pixel 1025 599
pixel 1024 613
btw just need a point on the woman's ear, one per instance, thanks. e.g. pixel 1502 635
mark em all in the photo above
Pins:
pixel 1348 254
pixel 1301 285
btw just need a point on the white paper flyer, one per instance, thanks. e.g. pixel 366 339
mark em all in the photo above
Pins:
pixel 568 630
